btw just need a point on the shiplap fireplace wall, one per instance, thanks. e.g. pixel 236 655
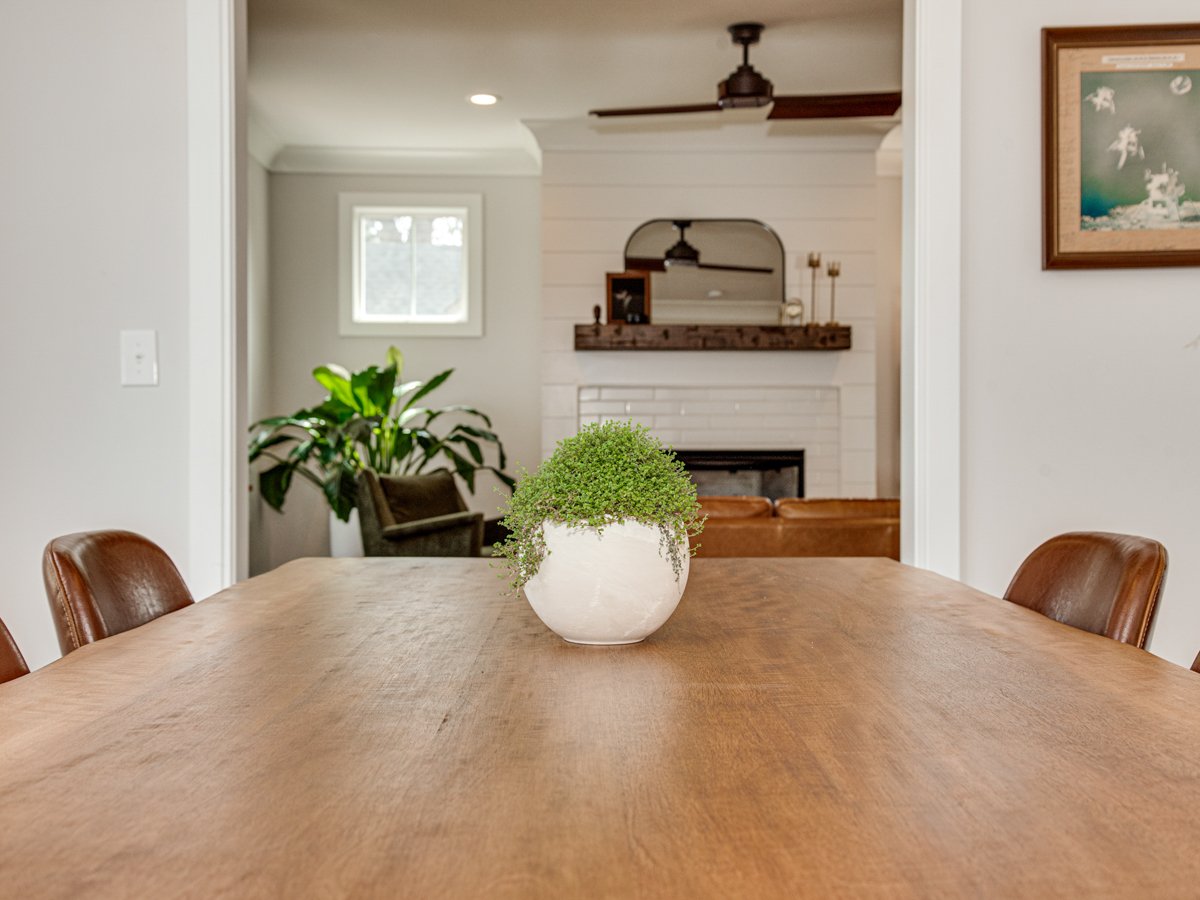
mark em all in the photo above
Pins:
pixel 818 193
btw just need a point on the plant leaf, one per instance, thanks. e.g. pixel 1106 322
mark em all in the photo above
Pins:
pixel 472 447
pixel 431 385
pixel 465 470
pixel 266 440
pixel 341 490
pixel 381 390
pixel 273 484
pixel 336 380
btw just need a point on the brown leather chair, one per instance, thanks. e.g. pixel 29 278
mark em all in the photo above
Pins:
pixel 100 583
pixel 1107 584
pixel 12 663
pixel 1196 663
pixel 416 515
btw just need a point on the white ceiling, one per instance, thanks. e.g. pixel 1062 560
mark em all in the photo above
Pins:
pixel 389 74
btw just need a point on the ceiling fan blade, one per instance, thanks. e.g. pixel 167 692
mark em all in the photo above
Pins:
pixel 651 264
pixel 644 264
pixel 655 110
pixel 835 106
pixel 734 268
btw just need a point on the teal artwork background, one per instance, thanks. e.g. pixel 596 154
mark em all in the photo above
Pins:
pixel 1170 133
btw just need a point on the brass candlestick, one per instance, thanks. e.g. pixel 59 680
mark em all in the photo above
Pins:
pixel 814 263
pixel 834 270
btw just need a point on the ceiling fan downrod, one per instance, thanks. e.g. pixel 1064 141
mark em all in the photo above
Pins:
pixel 745 87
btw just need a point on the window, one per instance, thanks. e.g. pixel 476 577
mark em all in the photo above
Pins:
pixel 410 264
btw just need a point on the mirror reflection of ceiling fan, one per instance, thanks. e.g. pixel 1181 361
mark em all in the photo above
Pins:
pixel 745 87
pixel 681 253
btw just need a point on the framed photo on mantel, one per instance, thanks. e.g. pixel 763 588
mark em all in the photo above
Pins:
pixel 629 297
pixel 1121 146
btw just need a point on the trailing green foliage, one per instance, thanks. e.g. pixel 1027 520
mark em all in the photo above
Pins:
pixel 369 420
pixel 606 474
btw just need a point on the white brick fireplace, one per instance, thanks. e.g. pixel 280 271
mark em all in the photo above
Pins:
pixel 817 193
pixel 754 417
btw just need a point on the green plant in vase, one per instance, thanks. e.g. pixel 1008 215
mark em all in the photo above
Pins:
pixel 370 420
pixel 608 474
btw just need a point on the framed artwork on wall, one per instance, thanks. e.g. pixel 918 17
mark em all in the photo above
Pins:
pixel 629 297
pixel 1121 146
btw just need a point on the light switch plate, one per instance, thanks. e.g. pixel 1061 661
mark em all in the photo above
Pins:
pixel 139 358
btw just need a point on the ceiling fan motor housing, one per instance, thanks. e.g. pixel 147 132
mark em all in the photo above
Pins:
pixel 745 87
pixel 681 253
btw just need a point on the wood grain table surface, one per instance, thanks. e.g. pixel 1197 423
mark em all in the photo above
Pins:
pixel 800 727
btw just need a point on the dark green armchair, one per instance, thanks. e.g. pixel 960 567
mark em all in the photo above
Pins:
pixel 416 515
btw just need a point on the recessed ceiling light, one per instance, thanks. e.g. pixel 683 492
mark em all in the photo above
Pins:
pixel 484 99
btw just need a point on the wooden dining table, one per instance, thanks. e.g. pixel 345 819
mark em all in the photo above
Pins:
pixel 799 728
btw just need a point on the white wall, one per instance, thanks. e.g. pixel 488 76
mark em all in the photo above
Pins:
pixel 817 192
pixel 497 373
pixel 1080 390
pixel 93 239
pixel 890 225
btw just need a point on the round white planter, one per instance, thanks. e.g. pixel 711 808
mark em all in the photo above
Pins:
pixel 345 538
pixel 610 588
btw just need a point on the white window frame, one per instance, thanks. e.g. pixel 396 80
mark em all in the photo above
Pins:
pixel 349 256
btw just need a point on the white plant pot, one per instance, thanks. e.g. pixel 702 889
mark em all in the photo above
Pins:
pixel 345 538
pixel 617 587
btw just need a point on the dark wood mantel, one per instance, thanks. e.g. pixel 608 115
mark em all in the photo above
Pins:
pixel 620 336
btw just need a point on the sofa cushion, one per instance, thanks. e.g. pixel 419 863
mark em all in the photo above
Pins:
pixel 731 507
pixel 835 507
pixel 759 537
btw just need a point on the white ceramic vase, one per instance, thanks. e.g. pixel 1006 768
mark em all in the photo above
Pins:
pixel 615 587
pixel 345 538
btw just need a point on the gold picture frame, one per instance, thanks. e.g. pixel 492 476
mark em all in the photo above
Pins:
pixel 1121 146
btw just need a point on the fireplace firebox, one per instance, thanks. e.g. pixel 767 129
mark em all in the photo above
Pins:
pixel 761 473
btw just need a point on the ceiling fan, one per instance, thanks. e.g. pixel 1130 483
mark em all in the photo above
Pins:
pixel 681 253
pixel 745 87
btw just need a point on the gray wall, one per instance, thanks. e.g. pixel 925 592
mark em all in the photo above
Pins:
pixel 498 373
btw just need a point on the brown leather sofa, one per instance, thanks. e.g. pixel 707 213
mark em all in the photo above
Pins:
pixel 756 526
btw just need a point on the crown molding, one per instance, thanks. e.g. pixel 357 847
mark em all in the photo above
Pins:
pixel 889 158
pixel 262 143
pixel 295 160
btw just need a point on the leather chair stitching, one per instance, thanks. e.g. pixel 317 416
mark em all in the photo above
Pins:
pixel 61 596
pixel 1157 589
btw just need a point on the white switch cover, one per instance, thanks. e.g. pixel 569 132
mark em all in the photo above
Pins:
pixel 139 358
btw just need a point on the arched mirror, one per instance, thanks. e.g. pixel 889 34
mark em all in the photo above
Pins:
pixel 710 271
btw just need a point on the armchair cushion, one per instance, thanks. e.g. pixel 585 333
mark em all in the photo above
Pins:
pixel 416 515
pixel 432 525
pixel 421 496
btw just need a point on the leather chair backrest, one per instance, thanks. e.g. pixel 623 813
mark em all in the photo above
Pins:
pixel 1107 584
pixel 12 663
pixel 412 497
pixel 735 507
pixel 100 583
pixel 372 503
pixel 836 508
pixel 1196 663
pixel 388 500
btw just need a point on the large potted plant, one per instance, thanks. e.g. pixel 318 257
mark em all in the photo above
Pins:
pixel 370 419
pixel 598 536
